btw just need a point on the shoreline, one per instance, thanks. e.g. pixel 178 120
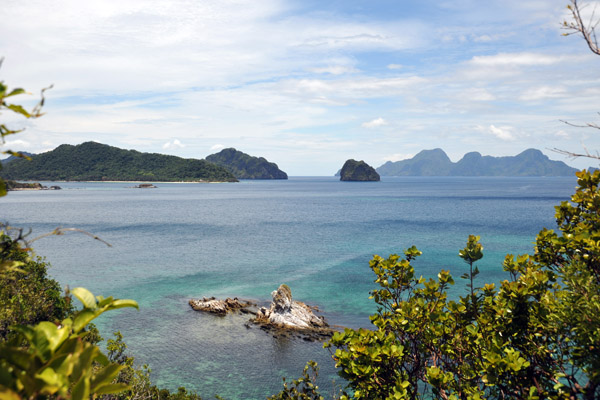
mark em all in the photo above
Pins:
pixel 153 182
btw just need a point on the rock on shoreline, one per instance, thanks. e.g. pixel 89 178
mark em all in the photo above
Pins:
pixel 14 186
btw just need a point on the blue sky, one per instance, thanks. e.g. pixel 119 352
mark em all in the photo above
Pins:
pixel 306 84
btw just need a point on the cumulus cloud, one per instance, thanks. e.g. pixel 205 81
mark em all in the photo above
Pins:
pixel 376 123
pixel 502 133
pixel 217 147
pixel 394 66
pixel 173 144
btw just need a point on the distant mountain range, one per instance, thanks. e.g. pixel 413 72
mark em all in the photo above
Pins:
pixel 244 166
pixel 93 161
pixel 435 162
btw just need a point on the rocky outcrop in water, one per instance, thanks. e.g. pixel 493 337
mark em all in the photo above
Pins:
pixel 286 314
pixel 285 318
pixel 221 307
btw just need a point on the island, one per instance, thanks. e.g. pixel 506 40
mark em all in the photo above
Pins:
pixel 91 161
pixel 435 162
pixel 244 166
pixel 358 171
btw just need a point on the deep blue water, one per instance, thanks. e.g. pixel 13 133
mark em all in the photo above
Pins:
pixel 315 234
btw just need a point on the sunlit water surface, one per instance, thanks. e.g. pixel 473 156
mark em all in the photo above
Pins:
pixel 317 235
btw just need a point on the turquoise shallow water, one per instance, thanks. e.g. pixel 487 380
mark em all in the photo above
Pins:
pixel 315 234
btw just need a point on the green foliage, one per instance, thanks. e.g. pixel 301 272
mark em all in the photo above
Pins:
pixel 92 161
pixel 244 166
pixel 536 336
pixel 57 360
pixel 27 295
pixel 303 388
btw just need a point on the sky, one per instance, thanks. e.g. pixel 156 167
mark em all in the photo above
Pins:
pixel 306 84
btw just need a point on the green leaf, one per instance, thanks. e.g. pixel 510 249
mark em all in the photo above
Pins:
pixel 112 388
pixel 7 394
pixel 19 110
pixel 105 376
pixel 83 318
pixel 81 391
pixel 53 380
pixel 85 296
pixel 121 303
pixel 15 92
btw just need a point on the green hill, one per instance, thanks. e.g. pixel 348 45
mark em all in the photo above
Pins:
pixel 530 162
pixel 93 161
pixel 244 166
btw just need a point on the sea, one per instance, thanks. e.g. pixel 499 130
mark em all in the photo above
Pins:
pixel 315 234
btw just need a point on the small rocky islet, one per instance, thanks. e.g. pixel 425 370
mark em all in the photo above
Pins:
pixel 358 171
pixel 284 317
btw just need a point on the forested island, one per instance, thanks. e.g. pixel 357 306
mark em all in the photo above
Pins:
pixel 244 166
pixel 358 171
pixel 91 161
pixel 436 162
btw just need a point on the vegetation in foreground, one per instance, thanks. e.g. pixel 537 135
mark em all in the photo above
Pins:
pixel 536 336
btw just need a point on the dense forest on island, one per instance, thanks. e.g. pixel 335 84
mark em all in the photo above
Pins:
pixel 353 170
pixel 93 161
pixel 244 166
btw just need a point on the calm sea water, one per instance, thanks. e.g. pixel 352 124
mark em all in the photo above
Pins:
pixel 315 234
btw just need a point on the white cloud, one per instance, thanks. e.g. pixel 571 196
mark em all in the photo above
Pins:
pixel 527 59
pixel 376 123
pixel 398 157
pixel 16 145
pixel 543 92
pixel 502 133
pixel 174 144
pixel 334 70
pixel 217 147
pixel 395 66
pixel 477 94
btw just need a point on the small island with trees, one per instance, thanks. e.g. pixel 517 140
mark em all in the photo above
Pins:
pixel 358 171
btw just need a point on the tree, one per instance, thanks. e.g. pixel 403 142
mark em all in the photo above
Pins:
pixel 536 336
pixel 587 29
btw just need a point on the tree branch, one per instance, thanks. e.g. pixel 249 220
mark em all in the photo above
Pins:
pixel 578 26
